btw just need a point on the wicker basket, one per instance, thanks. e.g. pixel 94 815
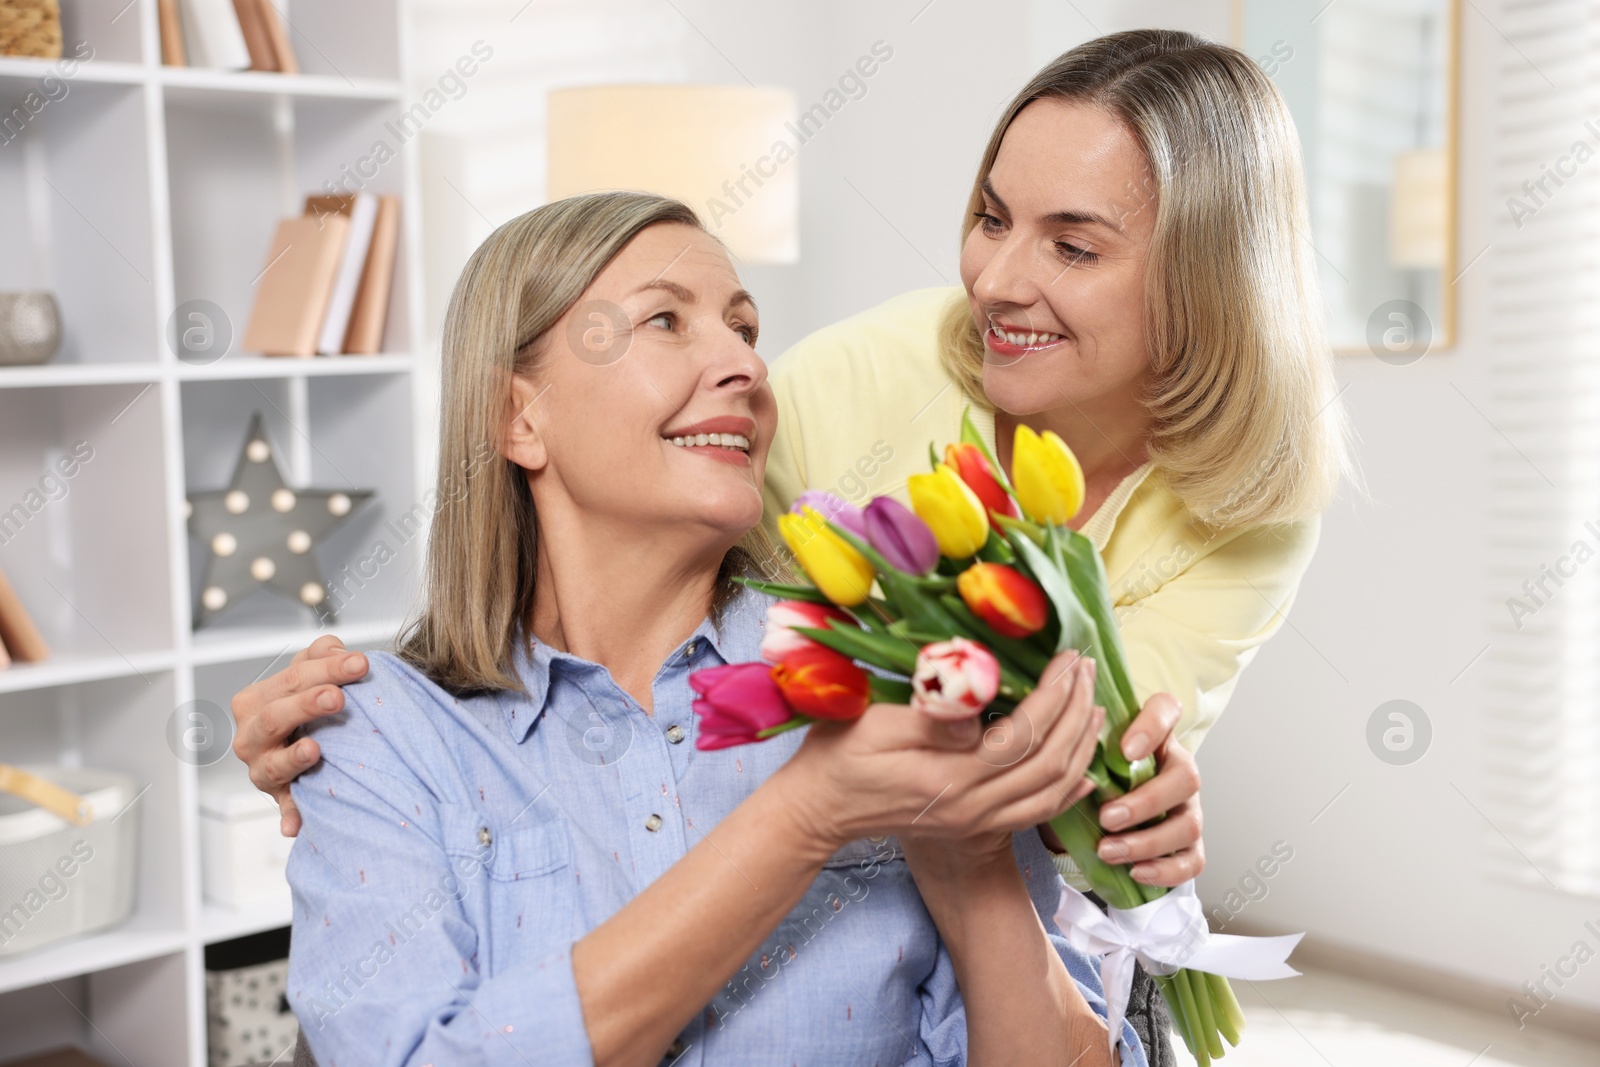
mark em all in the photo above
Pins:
pixel 30 28
pixel 57 879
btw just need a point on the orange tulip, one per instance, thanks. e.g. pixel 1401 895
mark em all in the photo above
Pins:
pixel 822 683
pixel 1005 598
pixel 970 463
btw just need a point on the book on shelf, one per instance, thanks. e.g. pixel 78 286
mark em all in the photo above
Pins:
pixel 328 275
pixel 18 633
pixel 172 50
pixel 277 28
pixel 257 41
pixel 362 214
pixel 293 289
pixel 225 35
pixel 212 36
pixel 367 318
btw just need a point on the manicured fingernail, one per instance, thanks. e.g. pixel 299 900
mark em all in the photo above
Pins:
pixel 352 664
pixel 302 754
pixel 1113 816
pixel 1136 746
pixel 1112 851
pixel 1142 873
pixel 328 700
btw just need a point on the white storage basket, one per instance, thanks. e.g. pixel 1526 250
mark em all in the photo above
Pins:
pixel 57 879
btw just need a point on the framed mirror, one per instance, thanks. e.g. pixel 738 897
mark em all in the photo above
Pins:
pixel 1372 86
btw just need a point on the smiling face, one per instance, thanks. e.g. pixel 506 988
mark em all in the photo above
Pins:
pixel 1055 267
pixel 648 403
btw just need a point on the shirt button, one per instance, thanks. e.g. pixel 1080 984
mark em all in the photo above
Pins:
pixel 484 836
pixel 675 733
pixel 689 649
pixel 675 1049
pixel 653 823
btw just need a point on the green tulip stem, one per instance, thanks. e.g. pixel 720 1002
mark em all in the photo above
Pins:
pixel 1230 1017
pixel 1193 1024
pixel 793 724
pixel 1208 1018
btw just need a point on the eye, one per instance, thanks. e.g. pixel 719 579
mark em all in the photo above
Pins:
pixel 749 333
pixel 669 316
pixel 1073 254
pixel 988 223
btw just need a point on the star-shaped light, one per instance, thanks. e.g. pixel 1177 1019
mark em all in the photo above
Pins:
pixel 260 532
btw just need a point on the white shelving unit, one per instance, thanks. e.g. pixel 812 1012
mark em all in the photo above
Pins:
pixel 134 189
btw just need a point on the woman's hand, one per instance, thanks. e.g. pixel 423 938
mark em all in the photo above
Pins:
pixel 897 771
pixel 1172 851
pixel 267 713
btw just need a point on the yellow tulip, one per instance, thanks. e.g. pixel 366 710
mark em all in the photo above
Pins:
pixel 843 574
pixel 1046 476
pixel 951 509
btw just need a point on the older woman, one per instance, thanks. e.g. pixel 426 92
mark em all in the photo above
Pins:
pixel 476 883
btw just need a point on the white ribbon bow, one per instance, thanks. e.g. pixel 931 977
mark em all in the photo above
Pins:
pixel 1165 935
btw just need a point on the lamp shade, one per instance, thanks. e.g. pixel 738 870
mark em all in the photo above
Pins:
pixel 724 150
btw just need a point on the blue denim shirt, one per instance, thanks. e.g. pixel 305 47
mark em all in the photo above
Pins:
pixel 453 850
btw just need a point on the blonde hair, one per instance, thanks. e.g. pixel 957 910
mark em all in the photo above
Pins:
pixel 479 575
pixel 1247 426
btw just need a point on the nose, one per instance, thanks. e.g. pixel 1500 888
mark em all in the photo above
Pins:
pixel 1007 279
pixel 734 366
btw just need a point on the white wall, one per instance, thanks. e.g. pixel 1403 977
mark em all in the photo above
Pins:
pixel 1394 603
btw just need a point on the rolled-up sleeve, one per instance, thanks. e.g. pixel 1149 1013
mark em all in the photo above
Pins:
pixel 944 1017
pixel 1193 636
pixel 385 964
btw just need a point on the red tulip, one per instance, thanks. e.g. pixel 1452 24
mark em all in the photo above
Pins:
pixel 736 702
pixel 780 640
pixel 1005 598
pixel 823 684
pixel 969 462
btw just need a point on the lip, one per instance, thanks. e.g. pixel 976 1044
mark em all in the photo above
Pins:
pixel 997 344
pixel 744 427
pixel 721 424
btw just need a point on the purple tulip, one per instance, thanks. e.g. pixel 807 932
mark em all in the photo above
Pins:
pixel 736 702
pixel 833 508
pixel 900 537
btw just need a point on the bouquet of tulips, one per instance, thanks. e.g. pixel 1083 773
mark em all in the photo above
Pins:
pixel 959 603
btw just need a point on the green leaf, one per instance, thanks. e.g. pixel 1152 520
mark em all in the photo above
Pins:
pixel 889 690
pixel 1027 659
pixel 880 650
pixel 1087 572
pixel 809 593
pixel 916 607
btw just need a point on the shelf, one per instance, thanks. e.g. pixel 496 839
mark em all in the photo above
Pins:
pixel 218 923
pixel 50 374
pixel 96 952
pixel 190 83
pixel 224 645
pixel 71 669
pixel 24 67
pixel 243 367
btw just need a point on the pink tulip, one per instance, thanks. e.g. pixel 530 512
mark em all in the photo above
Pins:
pixel 834 508
pixel 736 702
pixel 780 640
pixel 954 679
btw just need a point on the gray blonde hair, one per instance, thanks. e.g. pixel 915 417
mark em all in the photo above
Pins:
pixel 1248 428
pixel 479 574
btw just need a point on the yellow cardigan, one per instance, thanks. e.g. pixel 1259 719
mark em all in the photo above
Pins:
pixel 860 401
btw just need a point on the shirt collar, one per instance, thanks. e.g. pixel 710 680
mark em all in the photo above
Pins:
pixel 734 638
